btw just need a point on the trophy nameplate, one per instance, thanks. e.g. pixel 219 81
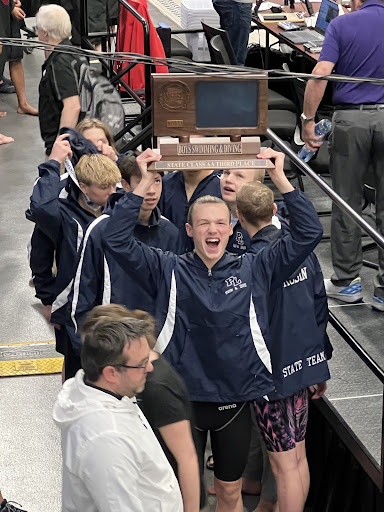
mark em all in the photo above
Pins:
pixel 209 153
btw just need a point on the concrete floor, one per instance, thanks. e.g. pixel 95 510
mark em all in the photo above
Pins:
pixel 29 444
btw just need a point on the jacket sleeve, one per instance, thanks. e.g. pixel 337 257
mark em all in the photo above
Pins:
pixel 174 244
pixel 87 287
pixel 144 264
pixel 44 206
pixel 109 464
pixel 278 261
pixel 321 307
pixel 41 259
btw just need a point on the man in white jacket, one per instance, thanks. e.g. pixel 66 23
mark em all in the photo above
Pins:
pixel 112 460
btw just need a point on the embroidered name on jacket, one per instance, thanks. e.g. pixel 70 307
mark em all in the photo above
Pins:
pixel 301 276
pixel 234 283
pixel 298 365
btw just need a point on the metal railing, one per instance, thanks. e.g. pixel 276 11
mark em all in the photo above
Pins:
pixel 374 470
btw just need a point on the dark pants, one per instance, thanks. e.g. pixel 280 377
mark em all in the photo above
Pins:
pixel 235 18
pixel 356 144
pixel 72 361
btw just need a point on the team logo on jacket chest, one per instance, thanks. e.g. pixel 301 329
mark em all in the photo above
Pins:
pixel 239 242
pixel 239 238
pixel 234 283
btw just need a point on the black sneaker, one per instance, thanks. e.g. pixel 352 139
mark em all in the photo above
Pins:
pixel 10 506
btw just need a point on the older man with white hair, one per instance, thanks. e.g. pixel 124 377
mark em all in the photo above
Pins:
pixel 59 102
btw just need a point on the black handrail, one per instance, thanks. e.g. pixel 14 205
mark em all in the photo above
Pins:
pixel 326 188
pixel 375 472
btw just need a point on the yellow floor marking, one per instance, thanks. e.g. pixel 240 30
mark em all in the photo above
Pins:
pixel 43 366
pixel 31 367
pixel 24 343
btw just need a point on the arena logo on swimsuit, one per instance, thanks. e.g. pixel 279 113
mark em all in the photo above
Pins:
pixel 225 407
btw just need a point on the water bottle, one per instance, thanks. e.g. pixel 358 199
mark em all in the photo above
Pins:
pixel 321 129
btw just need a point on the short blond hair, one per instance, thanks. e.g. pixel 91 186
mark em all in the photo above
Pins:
pixel 259 175
pixel 97 170
pixel 255 202
pixel 55 21
pixel 90 122
pixel 114 313
pixel 206 200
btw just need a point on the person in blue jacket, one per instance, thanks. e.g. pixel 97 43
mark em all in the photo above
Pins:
pixel 230 182
pixel 212 306
pixel 180 190
pixel 64 220
pixel 90 137
pixel 298 345
pixel 41 254
pixel 98 277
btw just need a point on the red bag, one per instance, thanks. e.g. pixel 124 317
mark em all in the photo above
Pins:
pixel 130 38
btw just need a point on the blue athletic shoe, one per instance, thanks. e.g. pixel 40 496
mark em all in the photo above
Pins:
pixel 378 303
pixel 352 293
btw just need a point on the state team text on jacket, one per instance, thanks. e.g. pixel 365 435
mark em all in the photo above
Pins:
pixel 215 322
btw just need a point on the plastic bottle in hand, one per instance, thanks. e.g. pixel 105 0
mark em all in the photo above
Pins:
pixel 321 129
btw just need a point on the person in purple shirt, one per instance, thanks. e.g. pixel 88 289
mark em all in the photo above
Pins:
pixel 353 46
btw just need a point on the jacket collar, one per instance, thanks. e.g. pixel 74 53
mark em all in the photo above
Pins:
pixel 119 397
pixel 154 219
pixel 223 262
pixel 268 233
pixel 119 194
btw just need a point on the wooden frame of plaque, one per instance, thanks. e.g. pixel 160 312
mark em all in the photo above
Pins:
pixel 219 104
pixel 222 113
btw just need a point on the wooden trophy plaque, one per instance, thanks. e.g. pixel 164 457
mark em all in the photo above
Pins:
pixel 209 121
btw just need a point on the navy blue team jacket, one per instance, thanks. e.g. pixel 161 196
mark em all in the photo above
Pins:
pixel 41 257
pixel 100 280
pixel 240 241
pixel 215 322
pixel 46 233
pixel 64 221
pixel 298 317
pixel 42 248
pixel 174 205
